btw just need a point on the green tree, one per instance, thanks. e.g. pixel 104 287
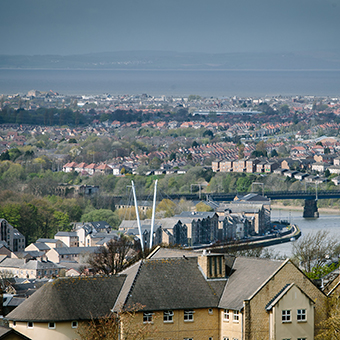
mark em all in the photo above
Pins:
pixel 201 206
pixel 102 215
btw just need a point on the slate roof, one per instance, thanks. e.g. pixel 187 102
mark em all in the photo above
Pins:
pixel 171 287
pixel 41 246
pixel 76 250
pixel 248 275
pixel 67 299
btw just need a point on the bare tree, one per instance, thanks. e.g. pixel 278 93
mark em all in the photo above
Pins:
pixel 314 249
pixel 112 258
pixel 114 326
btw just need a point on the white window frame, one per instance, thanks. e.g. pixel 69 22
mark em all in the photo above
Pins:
pixel 236 316
pixel 210 311
pixel 189 315
pixel 74 324
pixel 30 324
pixel 51 325
pixel 301 315
pixel 226 315
pixel 286 315
pixel 168 316
pixel 147 317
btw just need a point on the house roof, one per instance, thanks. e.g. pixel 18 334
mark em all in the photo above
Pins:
pixel 283 292
pixel 67 299
pixel 248 275
pixel 7 333
pixel 170 289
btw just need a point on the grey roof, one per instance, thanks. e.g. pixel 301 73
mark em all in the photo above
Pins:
pixel 248 275
pixel 32 264
pixel 66 233
pixel 171 288
pixel 67 299
pixel 75 250
pixel 41 246
pixel 195 215
pixel 47 240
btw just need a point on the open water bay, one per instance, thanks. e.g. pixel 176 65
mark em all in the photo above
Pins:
pixel 328 222
pixel 216 83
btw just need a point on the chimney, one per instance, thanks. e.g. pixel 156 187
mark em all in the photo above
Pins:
pixel 215 266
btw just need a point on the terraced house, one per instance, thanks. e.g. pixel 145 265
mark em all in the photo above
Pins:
pixel 184 296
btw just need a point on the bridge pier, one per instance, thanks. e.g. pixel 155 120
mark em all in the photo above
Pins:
pixel 310 209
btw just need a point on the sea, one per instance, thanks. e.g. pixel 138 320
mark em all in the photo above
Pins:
pixel 329 222
pixel 207 83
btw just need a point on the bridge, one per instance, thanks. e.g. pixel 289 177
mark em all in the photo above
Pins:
pixel 310 197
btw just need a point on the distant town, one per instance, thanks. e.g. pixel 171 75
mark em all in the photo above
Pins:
pixel 68 221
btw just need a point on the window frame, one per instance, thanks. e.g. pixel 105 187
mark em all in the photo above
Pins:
pixel 30 324
pixel 286 316
pixel 236 316
pixel 168 316
pixel 188 315
pixel 226 315
pixel 74 326
pixel 52 325
pixel 147 317
pixel 301 315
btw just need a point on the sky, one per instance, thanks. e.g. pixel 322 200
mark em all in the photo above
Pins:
pixel 66 27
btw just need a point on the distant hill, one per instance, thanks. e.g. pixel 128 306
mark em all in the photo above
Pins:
pixel 172 60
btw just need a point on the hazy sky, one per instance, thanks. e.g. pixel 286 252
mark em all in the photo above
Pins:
pixel 216 26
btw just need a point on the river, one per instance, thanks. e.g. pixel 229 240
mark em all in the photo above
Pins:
pixel 327 221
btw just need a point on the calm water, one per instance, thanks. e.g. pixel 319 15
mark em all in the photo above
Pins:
pixel 204 83
pixel 328 222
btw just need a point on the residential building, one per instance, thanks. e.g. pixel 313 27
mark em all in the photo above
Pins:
pixel 70 238
pixel 33 269
pixel 191 296
pixel 13 238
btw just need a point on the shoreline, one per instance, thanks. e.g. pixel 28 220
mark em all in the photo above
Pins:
pixel 280 206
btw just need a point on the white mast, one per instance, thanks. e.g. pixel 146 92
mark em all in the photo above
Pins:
pixel 137 214
pixel 153 213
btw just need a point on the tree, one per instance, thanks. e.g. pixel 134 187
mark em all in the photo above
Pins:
pixel 330 327
pixel 102 215
pixel 314 250
pixel 122 325
pixel 201 206
pixel 241 151
pixel 111 259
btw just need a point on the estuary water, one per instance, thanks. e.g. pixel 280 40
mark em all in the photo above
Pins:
pixel 328 222
pixel 216 83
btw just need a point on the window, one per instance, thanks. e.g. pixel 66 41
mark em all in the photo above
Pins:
pixel 210 311
pixel 226 315
pixel 188 315
pixel 74 324
pixel 236 316
pixel 302 339
pixel 301 315
pixel 168 316
pixel 51 325
pixel 14 323
pixel 147 317
pixel 30 324
pixel 225 338
pixel 286 316
pixel 188 339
